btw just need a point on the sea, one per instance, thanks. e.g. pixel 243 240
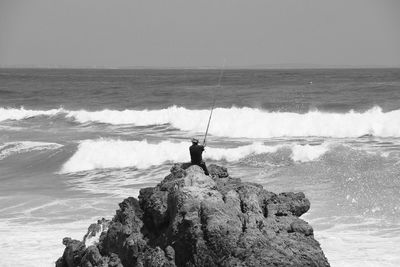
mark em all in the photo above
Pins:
pixel 76 142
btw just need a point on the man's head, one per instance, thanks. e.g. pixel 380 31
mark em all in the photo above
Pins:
pixel 195 141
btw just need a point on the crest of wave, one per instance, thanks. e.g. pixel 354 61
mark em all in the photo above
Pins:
pixel 108 153
pixel 12 148
pixel 22 113
pixel 256 123
pixel 239 122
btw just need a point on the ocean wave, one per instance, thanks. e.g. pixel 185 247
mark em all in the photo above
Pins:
pixel 22 113
pixel 305 153
pixel 109 153
pixel 240 122
pixel 12 148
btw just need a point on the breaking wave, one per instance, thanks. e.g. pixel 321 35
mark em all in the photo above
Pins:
pixel 12 148
pixel 108 153
pixel 239 122
pixel 22 113
pixel 304 153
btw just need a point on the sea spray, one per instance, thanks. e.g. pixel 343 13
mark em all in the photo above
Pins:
pixel 304 153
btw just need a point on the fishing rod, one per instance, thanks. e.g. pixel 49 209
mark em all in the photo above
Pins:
pixel 208 124
pixel 213 105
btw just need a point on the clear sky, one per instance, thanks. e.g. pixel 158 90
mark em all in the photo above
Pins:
pixel 202 33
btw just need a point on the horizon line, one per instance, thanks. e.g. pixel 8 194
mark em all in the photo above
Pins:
pixel 257 66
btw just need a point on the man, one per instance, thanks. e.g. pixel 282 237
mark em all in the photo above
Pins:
pixel 195 155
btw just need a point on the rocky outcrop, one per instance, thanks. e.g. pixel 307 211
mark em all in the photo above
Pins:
pixel 191 219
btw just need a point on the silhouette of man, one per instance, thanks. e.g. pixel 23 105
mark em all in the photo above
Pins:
pixel 195 155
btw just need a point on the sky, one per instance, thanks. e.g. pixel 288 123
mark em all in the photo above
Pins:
pixel 202 33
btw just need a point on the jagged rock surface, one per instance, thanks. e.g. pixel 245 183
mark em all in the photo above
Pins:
pixel 191 219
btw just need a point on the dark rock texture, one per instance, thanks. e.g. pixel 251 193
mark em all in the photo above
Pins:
pixel 191 219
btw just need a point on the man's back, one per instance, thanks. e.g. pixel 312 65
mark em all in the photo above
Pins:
pixel 195 153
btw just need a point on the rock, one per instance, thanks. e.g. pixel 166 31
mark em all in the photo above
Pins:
pixel 217 171
pixel 73 253
pixel 301 226
pixel 190 219
pixel 170 253
pixel 288 204
pixel 92 257
pixel 114 261
pixel 156 257
pixel 94 231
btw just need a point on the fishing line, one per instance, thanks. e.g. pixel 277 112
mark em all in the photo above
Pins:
pixel 214 100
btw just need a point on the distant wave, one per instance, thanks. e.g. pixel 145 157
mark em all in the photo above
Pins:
pixel 12 148
pixel 109 153
pixel 239 122
pixel 21 113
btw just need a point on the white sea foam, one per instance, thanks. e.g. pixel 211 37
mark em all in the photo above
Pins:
pixel 239 122
pixel 256 123
pixel 11 148
pixel 22 113
pixel 35 245
pixel 360 248
pixel 108 153
pixel 304 153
